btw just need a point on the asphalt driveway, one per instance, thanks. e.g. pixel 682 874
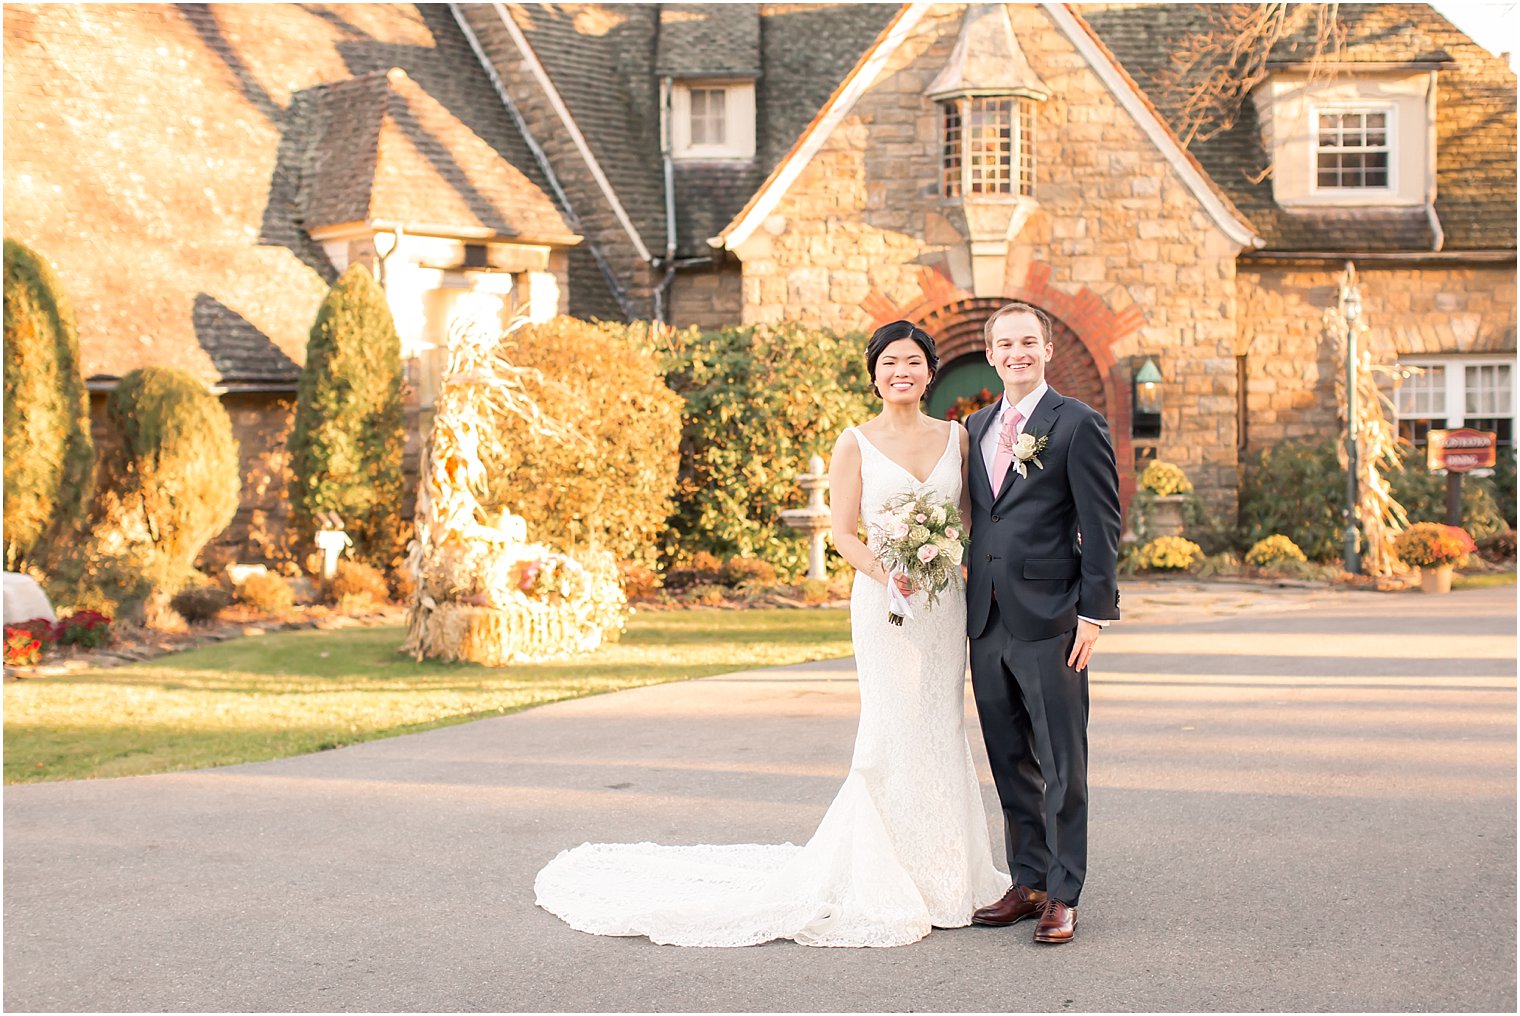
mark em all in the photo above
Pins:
pixel 1301 801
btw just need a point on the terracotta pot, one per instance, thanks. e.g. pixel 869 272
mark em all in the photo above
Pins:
pixel 1436 579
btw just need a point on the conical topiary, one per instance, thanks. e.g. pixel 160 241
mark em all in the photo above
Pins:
pixel 49 457
pixel 173 481
pixel 348 438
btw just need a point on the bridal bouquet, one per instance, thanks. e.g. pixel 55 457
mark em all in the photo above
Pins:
pixel 922 537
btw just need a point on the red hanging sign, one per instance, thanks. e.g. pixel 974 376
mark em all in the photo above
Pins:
pixel 1458 451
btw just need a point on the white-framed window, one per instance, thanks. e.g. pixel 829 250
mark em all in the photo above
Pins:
pixel 988 145
pixel 1353 149
pixel 1444 393
pixel 712 120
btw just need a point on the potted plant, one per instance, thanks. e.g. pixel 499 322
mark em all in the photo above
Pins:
pixel 1167 484
pixel 1434 549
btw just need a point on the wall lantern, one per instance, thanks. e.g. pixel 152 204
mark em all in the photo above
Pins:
pixel 1148 389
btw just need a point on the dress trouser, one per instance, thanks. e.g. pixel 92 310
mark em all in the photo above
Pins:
pixel 1033 710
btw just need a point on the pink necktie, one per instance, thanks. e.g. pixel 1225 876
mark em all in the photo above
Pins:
pixel 1004 457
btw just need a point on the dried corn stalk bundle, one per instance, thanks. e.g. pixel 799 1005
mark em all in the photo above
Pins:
pixel 483 593
pixel 1381 517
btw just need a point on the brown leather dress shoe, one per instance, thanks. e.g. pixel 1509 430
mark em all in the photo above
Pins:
pixel 1017 903
pixel 1057 924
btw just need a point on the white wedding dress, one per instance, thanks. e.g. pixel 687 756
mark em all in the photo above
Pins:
pixel 904 846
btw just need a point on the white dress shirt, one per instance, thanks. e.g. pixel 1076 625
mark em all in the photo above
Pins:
pixel 989 445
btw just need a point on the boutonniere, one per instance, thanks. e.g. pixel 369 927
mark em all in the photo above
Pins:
pixel 1027 449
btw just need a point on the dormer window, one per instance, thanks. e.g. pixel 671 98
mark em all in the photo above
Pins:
pixel 988 145
pixel 1352 148
pixel 712 120
pixel 1360 139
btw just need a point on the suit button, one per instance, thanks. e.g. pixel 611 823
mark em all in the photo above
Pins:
pixel 997 518
pixel 989 558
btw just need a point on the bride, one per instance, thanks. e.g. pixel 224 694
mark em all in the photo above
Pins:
pixel 904 846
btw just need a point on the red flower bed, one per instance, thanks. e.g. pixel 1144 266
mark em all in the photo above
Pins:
pixel 88 629
pixel 26 640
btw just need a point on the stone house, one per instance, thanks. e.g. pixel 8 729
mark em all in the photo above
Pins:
pixel 837 164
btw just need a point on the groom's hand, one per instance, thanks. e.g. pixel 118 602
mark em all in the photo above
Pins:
pixel 1082 648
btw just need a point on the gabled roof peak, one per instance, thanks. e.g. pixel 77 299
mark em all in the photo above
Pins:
pixel 987 59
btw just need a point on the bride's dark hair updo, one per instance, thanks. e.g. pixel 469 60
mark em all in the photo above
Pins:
pixel 890 333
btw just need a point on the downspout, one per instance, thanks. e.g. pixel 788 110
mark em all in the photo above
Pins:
pixel 1437 232
pixel 662 291
pixel 625 304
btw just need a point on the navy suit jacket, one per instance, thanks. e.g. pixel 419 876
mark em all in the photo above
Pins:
pixel 1024 540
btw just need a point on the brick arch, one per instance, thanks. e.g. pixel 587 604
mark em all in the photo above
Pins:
pixel 957 331
pixel 1086 329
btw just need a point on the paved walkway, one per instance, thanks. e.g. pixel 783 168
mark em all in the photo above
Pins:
pixel 1302 800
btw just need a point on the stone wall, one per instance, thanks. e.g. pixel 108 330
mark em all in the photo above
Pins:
pixel 1292 362
pixel 1114 218
pixel 707 296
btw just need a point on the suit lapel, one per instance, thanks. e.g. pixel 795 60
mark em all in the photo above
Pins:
pixel 979 422
pixel 1039 424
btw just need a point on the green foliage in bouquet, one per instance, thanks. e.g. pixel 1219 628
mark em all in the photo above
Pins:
pixel 170 483
pixel 615 492
pixel 348 438
pixel 1298 490
pixel 1423 494
pixel 760 400
pixel 49 456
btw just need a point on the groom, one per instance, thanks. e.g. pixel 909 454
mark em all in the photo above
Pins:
pixel 1041 585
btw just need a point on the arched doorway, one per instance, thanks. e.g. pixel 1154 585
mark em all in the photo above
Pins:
pixel 965 373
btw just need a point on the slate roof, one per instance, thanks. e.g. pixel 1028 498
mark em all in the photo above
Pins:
pixel 702 40
pixel 1475 167
pixel 605 60
pixel 154 153
pixel 379 147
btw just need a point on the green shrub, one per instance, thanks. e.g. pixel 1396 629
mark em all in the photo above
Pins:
pixel 760 400
pixel 268 592
pixel 1216 565
pixel 200 603
pixel 1297 489
pixel 615 493
pixel 168 485
pixel 358 586
pixel 814 591
pixel 705 594
pixel 348 438
pixel 748 569
pixel 1272 551
pixel 1423 495
pixel 49 456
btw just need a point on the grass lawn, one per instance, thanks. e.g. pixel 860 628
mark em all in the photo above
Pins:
pixel 296 692
pixel 1483 580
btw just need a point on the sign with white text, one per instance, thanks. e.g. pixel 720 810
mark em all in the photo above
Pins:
pixel 1458 451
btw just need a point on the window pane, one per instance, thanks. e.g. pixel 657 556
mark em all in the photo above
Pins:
pixel 951 161
pixel 707 109
pixel 1423 393
pixel 1352 149
pixel 1490 390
